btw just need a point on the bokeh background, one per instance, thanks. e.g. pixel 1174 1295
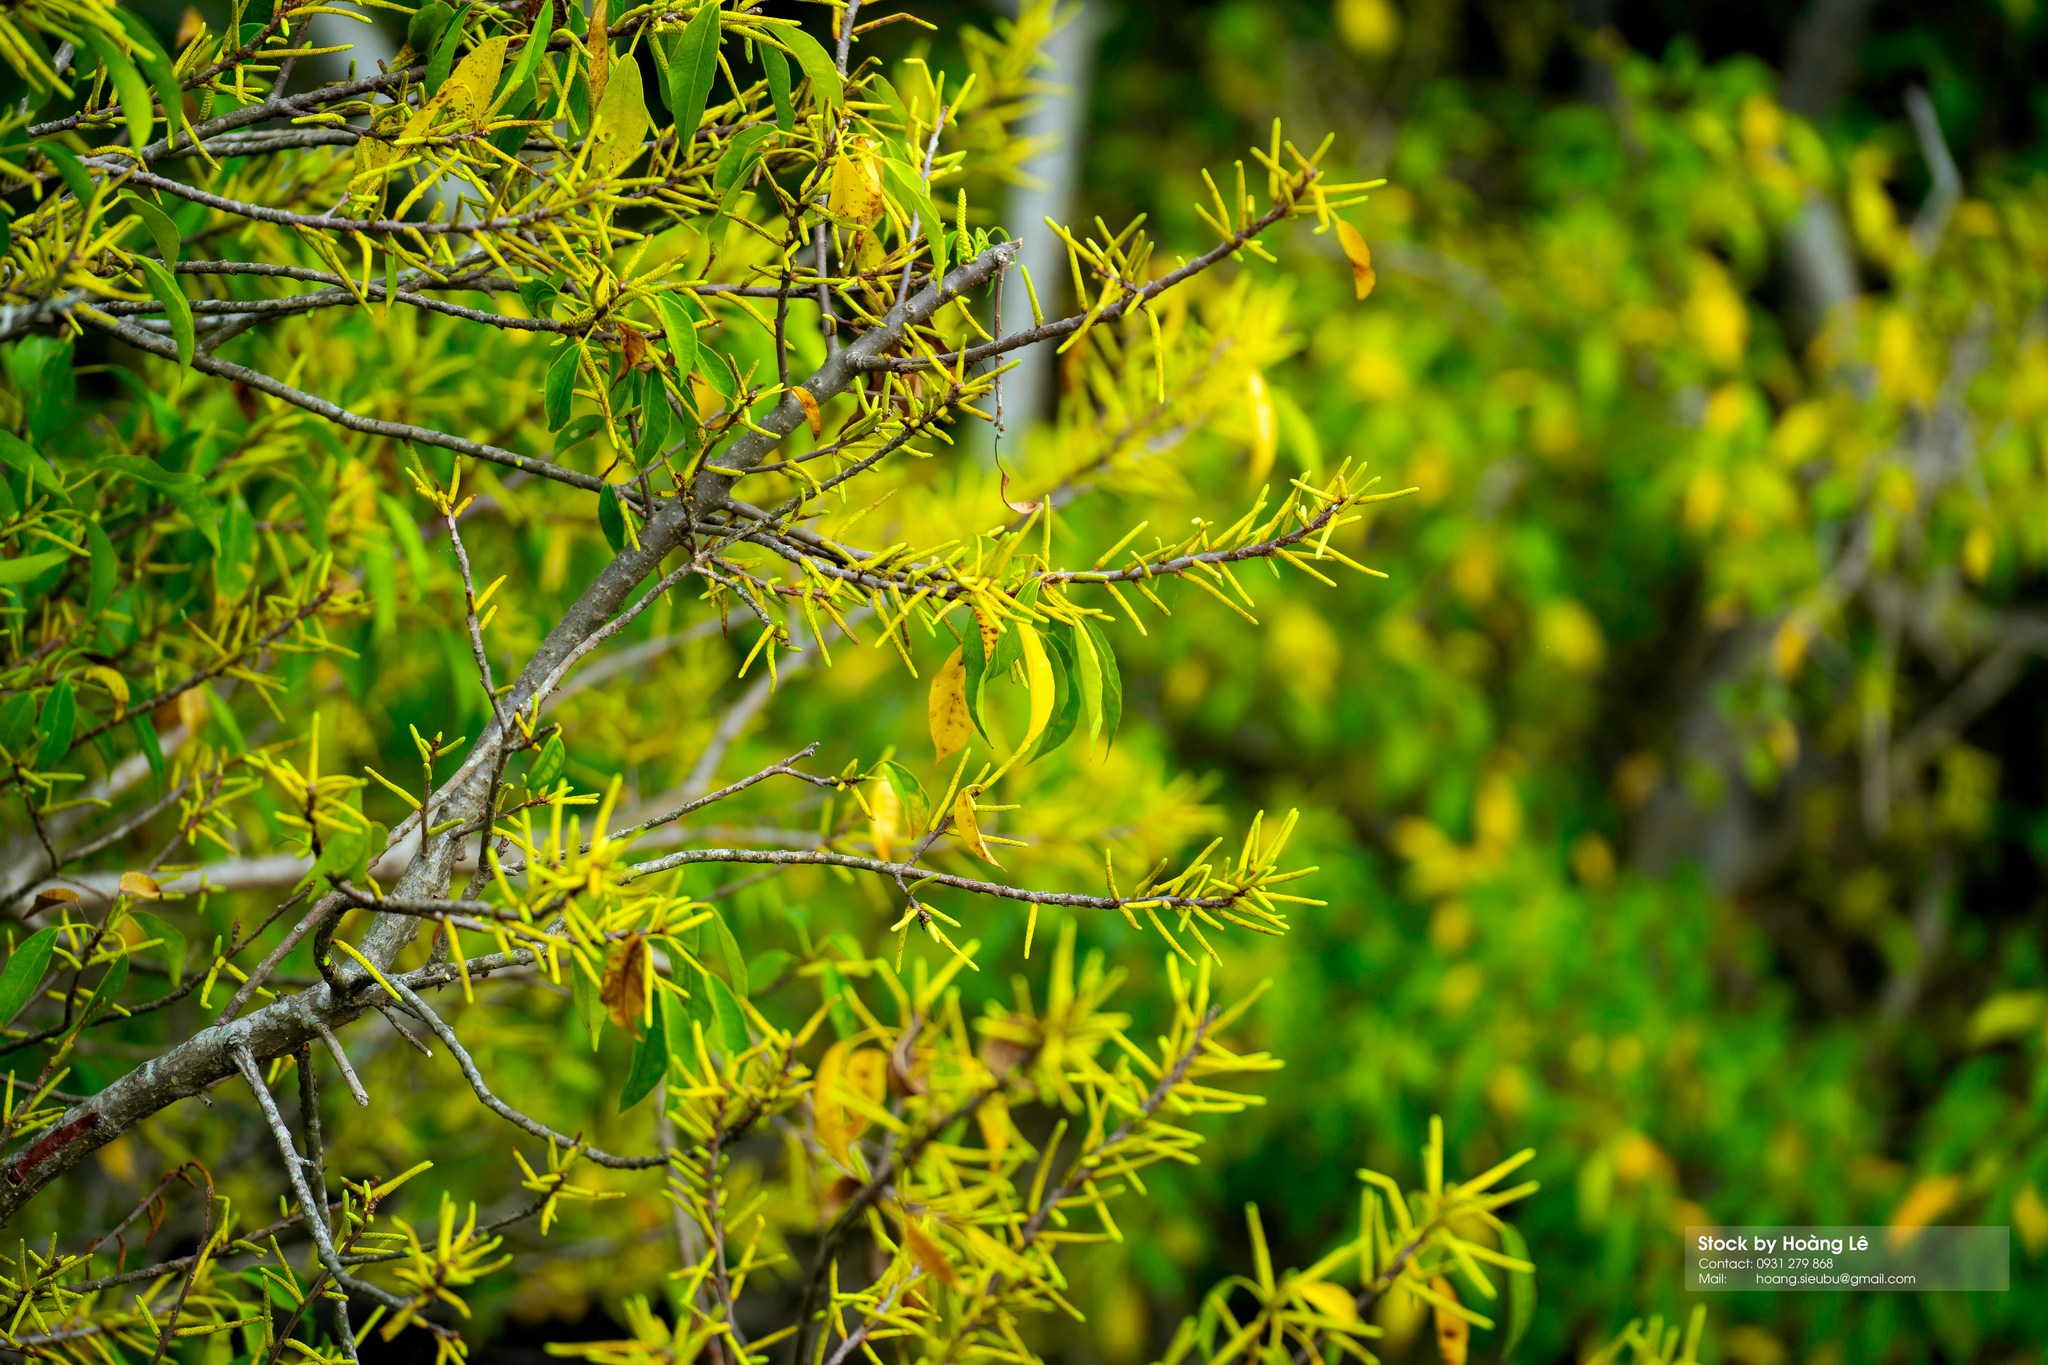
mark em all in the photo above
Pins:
pixel 1680 794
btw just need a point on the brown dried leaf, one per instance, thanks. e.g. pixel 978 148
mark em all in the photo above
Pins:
pixel 633 347
pixel 51 896
pixel 808 401
pixel 928 1254
pixel 624 988
pixel 1453 1333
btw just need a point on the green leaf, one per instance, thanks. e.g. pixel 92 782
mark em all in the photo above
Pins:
pixel 1066 705
pixel 910 791
pixel 739 159
pixel 732 1020
pixel 152 749
pixel 70 170
pixel 729 948
pixel 172 949
pixel 536 46
pixel 104 994
pixel 1009 649
pixel 443 60
pixel 106 570
pixel 162 231
pixel 588 1003
pixel 60 714
pixel 650 1059
pixel 1521 1292
pixel 23 568
pixel 129 87
pixel 679 316
pixel 977 670
pixel 538 295
pixel 776 66
pixel 833 985
pixel 619 124
pixel 692 66
pixel 344 856
pixel 817 64
pixel 182 491
pixel 427 22
pixel 548 764
pixel 768 967
pixel 165 287
pixel 157 65
pixel 611 519
pixel 18 722
pixel 561 385
pixel 908 187
pixel 1088 674
pixel 1112 684
pixel 24 972
pixel 27 461
pixel 655 419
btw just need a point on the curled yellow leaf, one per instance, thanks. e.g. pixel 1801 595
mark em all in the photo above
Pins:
pixel 808 401
pixel 968 828
pixel 1360 256
pixel 1039 678
pixel 141 885
pixel 885 819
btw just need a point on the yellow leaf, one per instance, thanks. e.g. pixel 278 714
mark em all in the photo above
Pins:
pixel 856 190
pixel 885 819
pixel 808 401
pixel 2030 1216
pixel 1453 1333
pixel 192 709
pixel 1333 1301
pixel 2007 1014
pixel 1037 677
pixel 624 987
pixel 1265 426
pixel 926 1253
pixel 950 722
pixel 993 1118
pixel 141 885
pixel 620 123
pixel 1924 1203
pixel 600 49
pixel 1360 256
pixel 53 895
pixel 968 828
pixel 475 80
pixel 842 1073
pixel 116 685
